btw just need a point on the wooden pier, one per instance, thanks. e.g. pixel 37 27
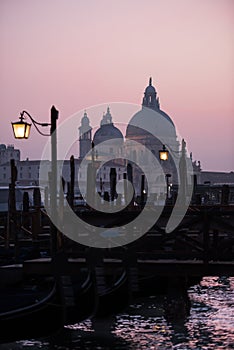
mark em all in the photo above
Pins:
pixel 95 282
pixel 205 236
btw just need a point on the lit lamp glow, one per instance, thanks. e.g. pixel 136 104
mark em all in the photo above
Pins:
pixel 163 153
pixel 21 129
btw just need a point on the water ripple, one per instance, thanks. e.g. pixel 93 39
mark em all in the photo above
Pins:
pixel 210 325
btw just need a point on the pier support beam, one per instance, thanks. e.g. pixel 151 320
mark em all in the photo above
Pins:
pixel 177 302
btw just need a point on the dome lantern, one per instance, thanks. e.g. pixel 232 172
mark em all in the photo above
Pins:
pixel 150 98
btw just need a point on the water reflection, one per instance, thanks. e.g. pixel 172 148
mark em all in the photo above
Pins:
pixel 210 325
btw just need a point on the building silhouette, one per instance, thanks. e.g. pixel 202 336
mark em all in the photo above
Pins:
pixel 150 128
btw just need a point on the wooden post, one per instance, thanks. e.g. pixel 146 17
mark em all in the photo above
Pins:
pixel 106 196
pixel 46 199
pixel 112 184
pixel 49 189
pixel 91 184
pixel 129 172
pixel 61 196
pixel 72 182
pixel 61 211
pixel 36 197
pixel 142 189
pixel 68 192
pixel 125 188
pixel 206 237
pixel 215 243
pixel 53 187
pixel 36 219
pixel 225 195
pixel 183 174
pixel 25 218
pixel 198 199
pixel 12 230
pixel 177 303
pixel 12 187
pixel 36 224
pixel 130 179
pixel 194 181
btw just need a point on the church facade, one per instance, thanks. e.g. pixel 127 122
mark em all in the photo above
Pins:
pixel 148 131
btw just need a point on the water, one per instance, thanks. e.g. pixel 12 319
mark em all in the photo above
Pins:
pixel 210 325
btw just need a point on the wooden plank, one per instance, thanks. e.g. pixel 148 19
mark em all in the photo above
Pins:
pixel 186 268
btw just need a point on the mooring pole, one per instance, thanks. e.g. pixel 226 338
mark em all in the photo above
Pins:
pixel 53 185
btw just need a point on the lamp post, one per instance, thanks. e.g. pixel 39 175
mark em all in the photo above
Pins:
pixel 167 182
pixel 21 130
pixel 182 169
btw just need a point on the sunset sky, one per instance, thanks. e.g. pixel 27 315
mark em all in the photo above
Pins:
pixel 78 53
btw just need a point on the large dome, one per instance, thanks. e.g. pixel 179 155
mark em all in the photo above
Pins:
pixel 148 121
pixel 151 120
pixel 165 115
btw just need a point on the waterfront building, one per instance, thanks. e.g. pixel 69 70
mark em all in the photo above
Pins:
pixel 150 127
pixel 7 153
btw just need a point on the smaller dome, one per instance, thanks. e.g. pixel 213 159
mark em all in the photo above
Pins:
pixel 107 132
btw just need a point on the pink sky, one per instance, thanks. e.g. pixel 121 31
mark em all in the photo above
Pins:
pixel 76 54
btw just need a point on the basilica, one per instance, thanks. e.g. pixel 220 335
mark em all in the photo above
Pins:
pixel 148 131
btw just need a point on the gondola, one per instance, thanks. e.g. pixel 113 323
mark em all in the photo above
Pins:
pixel 81 301
pixel 32 313
pixel 25 315
pixel 114 298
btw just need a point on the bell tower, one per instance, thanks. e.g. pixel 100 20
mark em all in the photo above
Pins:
pixel 85 136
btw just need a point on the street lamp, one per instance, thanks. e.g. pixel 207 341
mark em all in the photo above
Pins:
pixel 163 153
pixel 21 130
